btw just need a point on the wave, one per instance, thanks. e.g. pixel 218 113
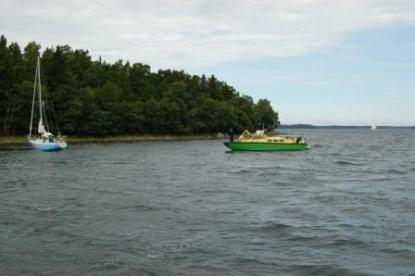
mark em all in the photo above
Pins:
pixel 273 227
pixel 399 251
pixel 297 238
pixel 120 163
pixel 348 242
pixel 349 163
pixel 244 171
pixel 320 270
pixel 361 226
pixel 140 207
pixel 47 210
pixel 59 162
pixel 317 146
pixel 396 171
pixel 250 261
pixel 15 149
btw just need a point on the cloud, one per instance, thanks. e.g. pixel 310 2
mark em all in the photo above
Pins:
pixel 184 33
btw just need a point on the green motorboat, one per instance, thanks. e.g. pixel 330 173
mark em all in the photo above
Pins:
pixel 260 141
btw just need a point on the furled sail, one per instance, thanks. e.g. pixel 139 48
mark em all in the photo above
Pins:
pixel 41 128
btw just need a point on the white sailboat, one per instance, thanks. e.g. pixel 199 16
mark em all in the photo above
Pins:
pixel 373 128
pixel 41 138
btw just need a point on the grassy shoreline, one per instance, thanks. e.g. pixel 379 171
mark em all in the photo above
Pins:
pixel 18 140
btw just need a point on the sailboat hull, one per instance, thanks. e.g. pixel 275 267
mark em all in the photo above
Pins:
pixel 47 146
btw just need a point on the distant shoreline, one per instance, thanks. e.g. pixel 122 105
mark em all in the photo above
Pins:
pixel 20 140
pixel 344 127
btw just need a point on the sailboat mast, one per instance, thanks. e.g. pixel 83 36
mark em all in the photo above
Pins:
pixel 40 90
pixel 33 105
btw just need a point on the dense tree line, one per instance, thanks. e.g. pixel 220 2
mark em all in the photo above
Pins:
pixel 98 98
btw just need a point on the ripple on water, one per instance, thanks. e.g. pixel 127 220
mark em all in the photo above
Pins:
pixel 318 269
pixel 349 163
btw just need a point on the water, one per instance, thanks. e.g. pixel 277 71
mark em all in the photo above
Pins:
pixel 347 206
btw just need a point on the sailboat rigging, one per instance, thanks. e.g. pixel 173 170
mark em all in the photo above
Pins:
pixel 43 139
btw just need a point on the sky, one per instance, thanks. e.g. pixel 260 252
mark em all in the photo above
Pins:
pixel 322 62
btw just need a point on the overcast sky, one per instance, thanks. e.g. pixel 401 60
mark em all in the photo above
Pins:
pixel 318 61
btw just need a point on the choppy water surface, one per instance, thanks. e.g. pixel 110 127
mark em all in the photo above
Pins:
pixel 347 206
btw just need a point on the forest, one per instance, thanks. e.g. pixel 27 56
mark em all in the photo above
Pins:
pixel 94 97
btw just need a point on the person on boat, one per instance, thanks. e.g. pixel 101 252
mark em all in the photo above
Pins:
pixel 231 133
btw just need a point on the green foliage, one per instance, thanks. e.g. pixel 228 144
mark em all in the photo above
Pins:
pixel 265 115
pixel 96 98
